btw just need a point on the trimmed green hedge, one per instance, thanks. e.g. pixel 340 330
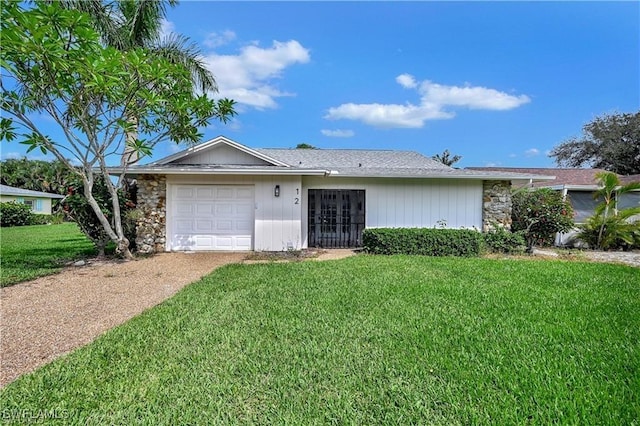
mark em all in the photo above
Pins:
pixel 15 214
pixel 423 241
pixel 500 240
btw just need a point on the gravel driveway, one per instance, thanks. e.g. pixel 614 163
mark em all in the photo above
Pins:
pixel 50 316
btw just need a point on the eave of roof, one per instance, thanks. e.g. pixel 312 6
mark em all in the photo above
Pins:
pixel 435 174
pixel 10 190
pixel 358 172
pixel 181 169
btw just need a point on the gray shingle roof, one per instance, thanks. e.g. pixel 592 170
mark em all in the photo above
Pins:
pixel 10 190
pixel 329 162
pixel 337 159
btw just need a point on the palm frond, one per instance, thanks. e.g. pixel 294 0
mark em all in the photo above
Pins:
pixel 107 19
pixel 143 20
pixel 179 49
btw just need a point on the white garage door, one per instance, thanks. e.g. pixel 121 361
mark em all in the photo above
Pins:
pixel 212 217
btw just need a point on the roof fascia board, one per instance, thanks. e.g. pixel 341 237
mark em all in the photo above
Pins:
pixel 19 192
pixel 523 178
pixel 190 171
pixel 216 141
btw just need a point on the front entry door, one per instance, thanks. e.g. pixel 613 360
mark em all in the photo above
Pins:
pixel 336 217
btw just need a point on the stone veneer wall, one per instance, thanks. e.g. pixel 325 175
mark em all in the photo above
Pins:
pixel 152 203
pixel 496 204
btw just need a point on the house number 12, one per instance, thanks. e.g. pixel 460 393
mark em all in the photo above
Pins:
pixel 297 199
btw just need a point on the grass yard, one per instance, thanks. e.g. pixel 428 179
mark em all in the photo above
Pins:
pixel 28 252
pixel 364 340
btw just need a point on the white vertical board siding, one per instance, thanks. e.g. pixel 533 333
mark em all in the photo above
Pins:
pixel 277 220
pixel 408 203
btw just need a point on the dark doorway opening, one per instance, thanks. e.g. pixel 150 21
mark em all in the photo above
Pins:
pixel 336 218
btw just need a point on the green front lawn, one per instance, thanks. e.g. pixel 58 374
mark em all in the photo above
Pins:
pixel 365 340
pixel 28 252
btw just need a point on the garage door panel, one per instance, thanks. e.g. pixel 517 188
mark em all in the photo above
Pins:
pixel 224 209
pixel 212 217
pixel 204 193
pixel 204 226
pixel 203 209
pixel 184 226
pixel 184 209
pixel 224 193
pixel 185 193
pixel 224 225
pixel 244 194
pixel 242 207
pixel 243 243
pixel 243 226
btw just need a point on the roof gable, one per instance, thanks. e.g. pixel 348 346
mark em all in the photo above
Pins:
pixel 220 151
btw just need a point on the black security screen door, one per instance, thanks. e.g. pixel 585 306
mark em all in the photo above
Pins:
pixel 336 218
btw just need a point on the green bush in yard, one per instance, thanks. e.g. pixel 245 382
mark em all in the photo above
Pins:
pixel 423 241
pixel 540 214
pixel 612 232
pixel 500 240
pixel 15 214
pixel 47 219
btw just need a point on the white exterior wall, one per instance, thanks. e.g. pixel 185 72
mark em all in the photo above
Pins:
pixel 222 154
pixel 277 224
pixel 407 203
pixel 46 202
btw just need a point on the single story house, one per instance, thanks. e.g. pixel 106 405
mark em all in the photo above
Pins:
pixel 222 195
pixel 40 202
pixel 578 186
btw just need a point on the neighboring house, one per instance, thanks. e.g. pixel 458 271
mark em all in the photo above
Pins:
pixel 40 202
pixel 221 195
pixel 578 186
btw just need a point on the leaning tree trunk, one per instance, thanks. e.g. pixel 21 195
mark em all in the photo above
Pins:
pixel 117 236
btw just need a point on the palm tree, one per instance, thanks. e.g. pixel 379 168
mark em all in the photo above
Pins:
pixel 132 24
pixel 610 227
pixel 446 159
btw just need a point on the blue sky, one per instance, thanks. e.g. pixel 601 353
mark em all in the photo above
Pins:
pixel 499 83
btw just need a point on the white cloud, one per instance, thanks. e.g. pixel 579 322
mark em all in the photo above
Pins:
pixel 434 100
pixel 513 155
pixel 532 152
pixel 387 115
pixel 166 28
pixel 214 40
pixel 248 77
pixel 338 133
pixel 470 97
pixel 406 81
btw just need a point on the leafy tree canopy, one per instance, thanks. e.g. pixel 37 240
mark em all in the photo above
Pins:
pixel 36 175
pixel 610 142
pixel 305 146
pixel 54 64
